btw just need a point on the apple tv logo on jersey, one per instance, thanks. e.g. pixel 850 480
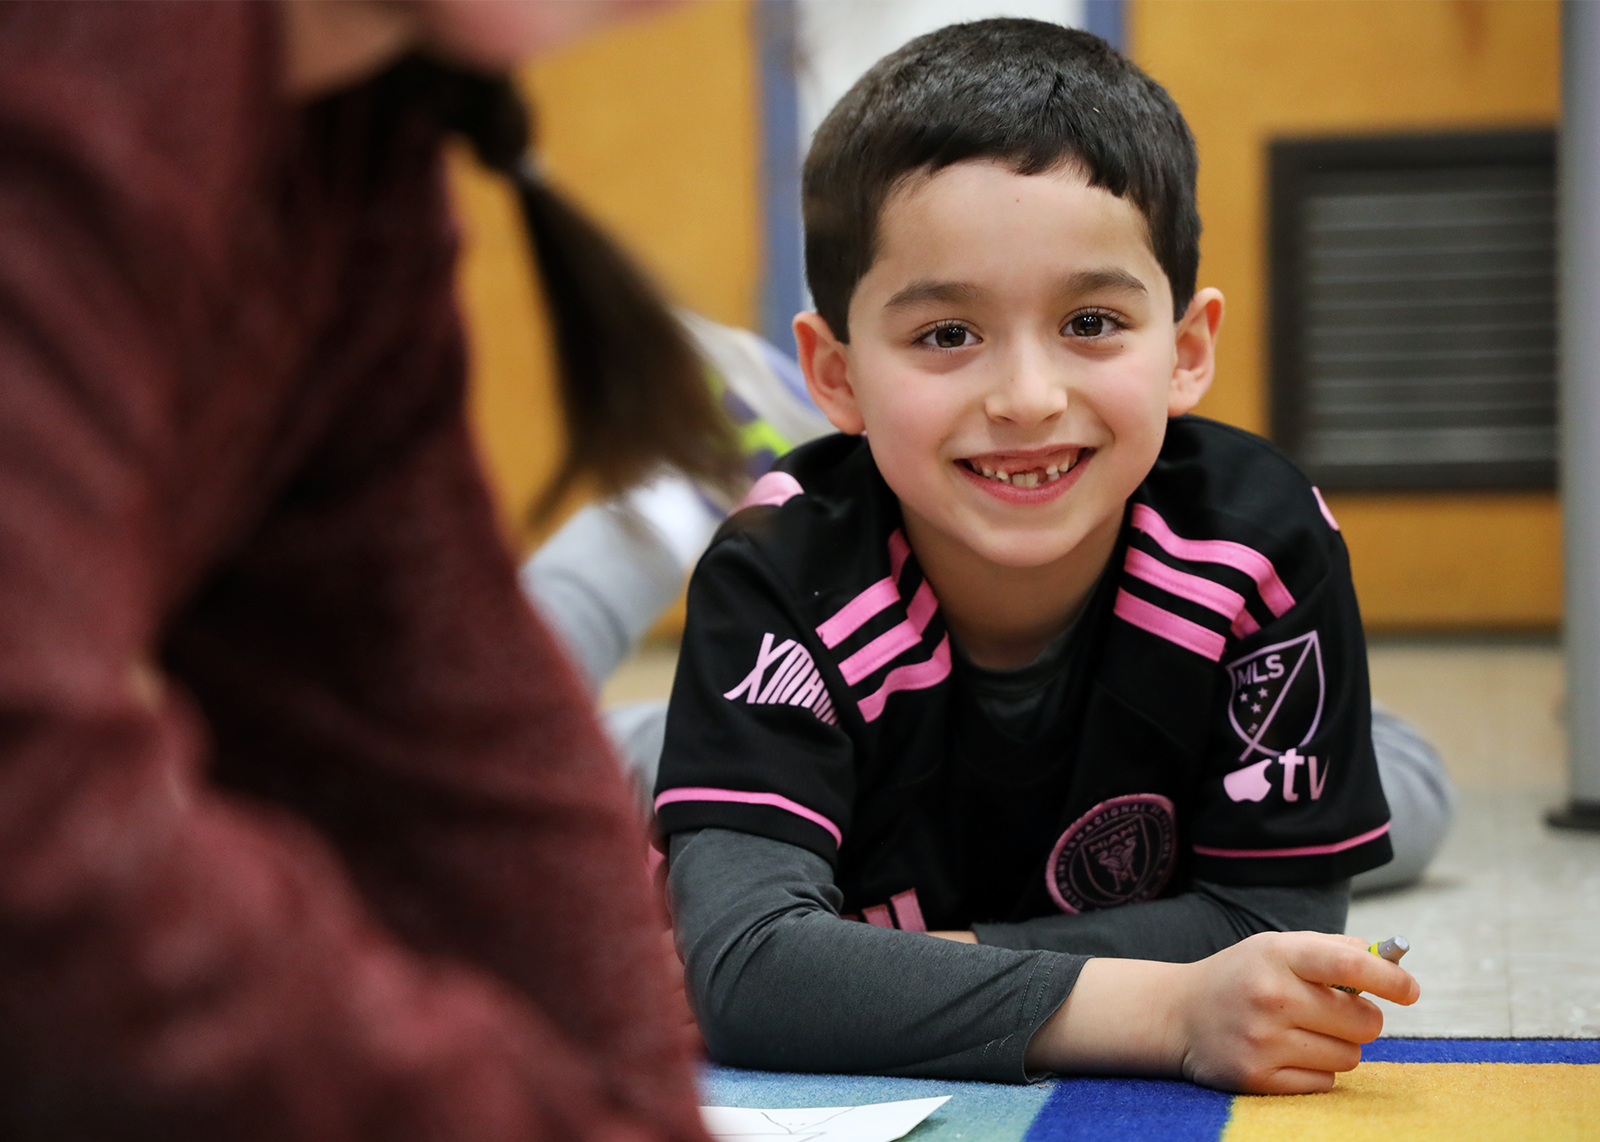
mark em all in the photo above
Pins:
pixel 1275 708
pixel 1250 783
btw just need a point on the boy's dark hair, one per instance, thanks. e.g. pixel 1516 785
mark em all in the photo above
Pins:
pixel 1033 95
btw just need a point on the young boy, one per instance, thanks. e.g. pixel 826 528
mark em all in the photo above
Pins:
pixel 1027 658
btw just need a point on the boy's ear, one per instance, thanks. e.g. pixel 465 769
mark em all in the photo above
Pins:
pixel 1196 342
pixel 825 361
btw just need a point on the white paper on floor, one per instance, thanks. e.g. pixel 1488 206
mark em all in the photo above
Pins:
pixel 876 1122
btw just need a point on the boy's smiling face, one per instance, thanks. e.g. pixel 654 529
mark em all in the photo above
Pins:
pixel 1013 359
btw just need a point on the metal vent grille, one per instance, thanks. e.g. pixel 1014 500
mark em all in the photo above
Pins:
pixel 1413 327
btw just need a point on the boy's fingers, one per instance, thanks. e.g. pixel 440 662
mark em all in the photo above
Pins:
pixel 1293 1080
pixel 1299 1062
pixel 1311 1050
pixel 1350 1019
pixel 1346 962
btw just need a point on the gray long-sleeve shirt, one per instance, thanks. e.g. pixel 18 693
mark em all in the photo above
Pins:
pixel 781 982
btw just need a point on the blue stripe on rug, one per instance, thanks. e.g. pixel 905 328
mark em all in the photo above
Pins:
pixel 1131 1110
pixel 1583 1051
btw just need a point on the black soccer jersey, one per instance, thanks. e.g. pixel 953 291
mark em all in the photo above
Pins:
pixel 1210 720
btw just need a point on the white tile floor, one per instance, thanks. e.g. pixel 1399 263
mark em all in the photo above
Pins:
pixel 1505 927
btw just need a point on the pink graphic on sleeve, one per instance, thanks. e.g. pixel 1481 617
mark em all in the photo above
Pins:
pixel 743 797
pixel 1174 628
pixel 771 651
pixel 772 490
pixel 795 681
pixel 1223 551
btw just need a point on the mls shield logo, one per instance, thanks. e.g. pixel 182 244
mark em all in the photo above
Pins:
pixel 1277 696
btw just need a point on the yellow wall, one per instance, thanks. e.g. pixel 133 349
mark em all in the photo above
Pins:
pixel 1246 71
pixel 652 128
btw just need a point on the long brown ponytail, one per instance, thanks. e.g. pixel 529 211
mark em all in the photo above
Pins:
pixel 632 386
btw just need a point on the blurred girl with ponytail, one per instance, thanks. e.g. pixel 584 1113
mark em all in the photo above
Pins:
pixel 632 384
pixel 308 829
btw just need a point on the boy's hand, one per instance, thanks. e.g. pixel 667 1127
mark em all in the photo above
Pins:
pixel 1260 1016
pixel 1263 1017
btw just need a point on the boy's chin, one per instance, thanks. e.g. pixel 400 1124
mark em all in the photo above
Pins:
pixel 1025 551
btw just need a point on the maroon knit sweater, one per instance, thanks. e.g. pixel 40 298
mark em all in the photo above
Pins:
pixel 305 829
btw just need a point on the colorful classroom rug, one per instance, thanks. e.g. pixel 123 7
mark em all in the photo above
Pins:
pixel 1406 1090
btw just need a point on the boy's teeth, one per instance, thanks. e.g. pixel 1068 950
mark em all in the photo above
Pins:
pixel 1031 478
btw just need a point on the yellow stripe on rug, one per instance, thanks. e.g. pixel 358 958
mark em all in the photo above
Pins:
pixel 1431 1102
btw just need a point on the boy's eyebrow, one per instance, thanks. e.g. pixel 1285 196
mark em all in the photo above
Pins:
pixel 929 290
pixel 1087 281
pixel 1084 281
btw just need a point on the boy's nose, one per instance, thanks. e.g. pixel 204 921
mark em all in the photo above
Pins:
pixel 1029 393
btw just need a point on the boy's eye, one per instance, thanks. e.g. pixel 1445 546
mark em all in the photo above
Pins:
pixel 949 337
pixel 1090 325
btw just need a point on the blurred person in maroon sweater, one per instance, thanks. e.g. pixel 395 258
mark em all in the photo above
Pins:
pixel 306 829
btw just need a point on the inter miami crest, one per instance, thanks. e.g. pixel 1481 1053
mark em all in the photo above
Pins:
pixel 1120 851
pixel 1277 696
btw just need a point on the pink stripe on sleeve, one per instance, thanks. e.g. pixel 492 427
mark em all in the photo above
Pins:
pixel 1173 628
pixel 917 676
pixel 899 552
pixel 878 916
pixel 743 797
pixel 908 911
pixel 1307 851
pixel 922 608
pixel 884 593
pixel 883 649
pixel 895 641
pixel 1213 596
pixel 854 614
pixel 771 490
pixel 1223 551
pixel 1322 506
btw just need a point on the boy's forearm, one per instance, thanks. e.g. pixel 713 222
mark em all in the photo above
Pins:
pixel 1123 1017
pixel 781 983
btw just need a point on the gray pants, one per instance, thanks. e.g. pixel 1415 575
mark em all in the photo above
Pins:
pixel 604 578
